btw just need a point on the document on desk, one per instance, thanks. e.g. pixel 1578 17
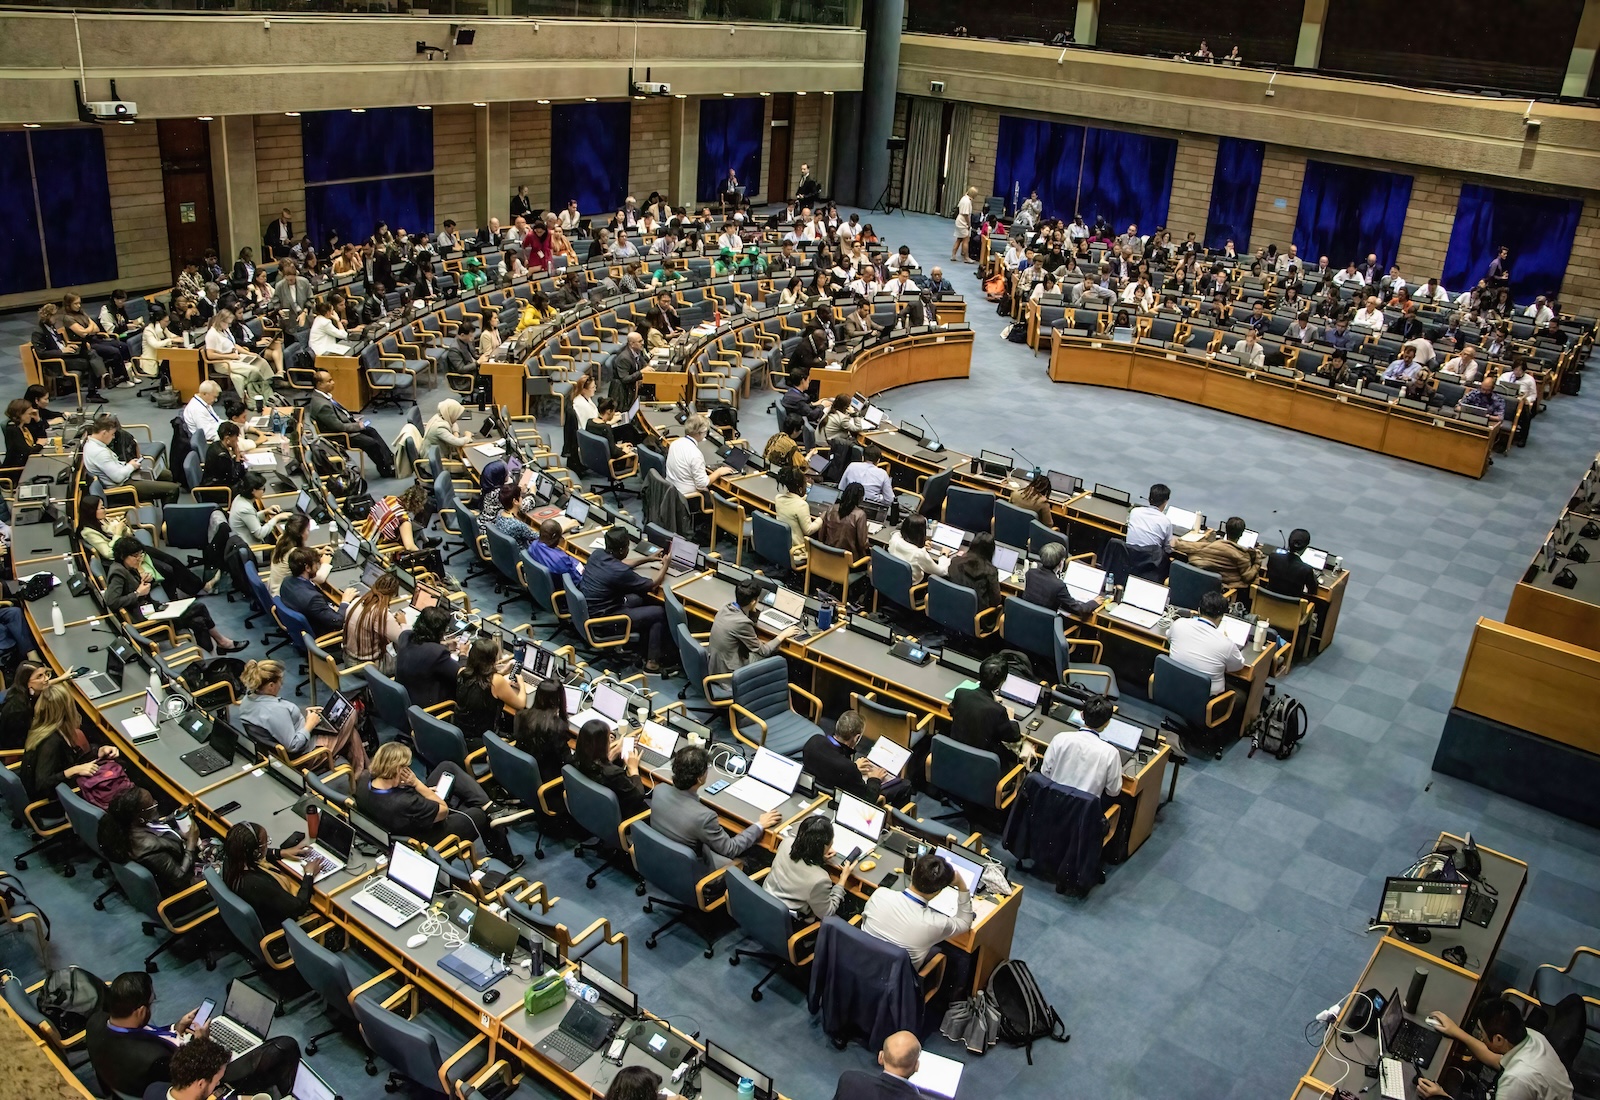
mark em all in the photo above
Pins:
pixel 490 448
pixel 951 694
pixel 171 611
pixel 756 793
pixel 1192 536
pixel 260 458
pixel 937 1074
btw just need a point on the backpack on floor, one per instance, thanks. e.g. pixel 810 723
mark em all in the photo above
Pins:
pixel 1025 1016
pixel 1280 726
pixel 69 997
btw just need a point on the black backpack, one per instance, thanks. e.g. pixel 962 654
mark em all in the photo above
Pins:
pixel 69 997
pixel 1025 1016
pixel 1280 726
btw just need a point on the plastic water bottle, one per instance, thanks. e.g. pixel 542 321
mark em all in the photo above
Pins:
pixel 1110 588
pixel 747 1087
pixel 58 621
pixel 155 683
pixel 582 991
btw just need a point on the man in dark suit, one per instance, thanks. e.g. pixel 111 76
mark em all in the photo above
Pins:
pixel 830 757
pixel 330 416
pixel 129 1053
pixel 1044 584
pixel 807 191
pixel 899 1058
pixel 300 593
pixel 279 238
pixel 978 719
pixel 1287 574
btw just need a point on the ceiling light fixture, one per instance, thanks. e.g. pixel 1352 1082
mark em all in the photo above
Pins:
pixel 765 95
pixel 588 99
pixel 727 95
pixel 30 125
pixel 292 114
pixel 423 107
pixel 480 105
pixel 546 102
pixel 799 93
pixel 205 118
pixel 358 110
pixel 679 95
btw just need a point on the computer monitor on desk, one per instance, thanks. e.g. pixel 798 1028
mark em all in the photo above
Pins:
pixel 1412 906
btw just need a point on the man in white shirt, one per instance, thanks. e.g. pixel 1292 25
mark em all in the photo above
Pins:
pixel 1539 312
pixel 1465 364
pixel 200 413
pixel 570 218
pixel 873 479
pixel 1369 317
pixel 1249 351
pixel 448 239
pixel 100 461
pixel 1199 643
pixel 902 259
pixel 1431 291
pixel 1527 385
pixel 686 465
pixel 851 229
pixel 1426 355
pixel 1077 232
pixel 1148 524
pixel 1349 275
pixel 1077 758
pixel 730 238
pixel 901 285
pixel 904 917
pixel 1287 260
pixel 1529 1067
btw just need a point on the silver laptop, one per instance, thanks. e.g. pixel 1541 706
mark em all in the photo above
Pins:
pixel 1143 603
pixel 246 1018
pixel 788 609
pixel 605 703
pixel 405 889
pixel 857 824
pixel 768 781
pixel 308 1086
pixel 682 557
pixel 1084 581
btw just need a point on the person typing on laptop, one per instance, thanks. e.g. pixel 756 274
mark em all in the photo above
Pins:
pixel 1079 759
pixel 130 1053
pixel 873 479
pixel 677 813
pixel 301 593
pixel 392 796
pixel 734 641
pixel 1198 642
pixel 905 918
pixel 295 729
pixel 831 758
pixel 248 870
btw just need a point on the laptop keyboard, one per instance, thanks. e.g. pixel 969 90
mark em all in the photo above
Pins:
pixel 394 899
pixel 206 759
pixel 573 1050
pixel 236 1041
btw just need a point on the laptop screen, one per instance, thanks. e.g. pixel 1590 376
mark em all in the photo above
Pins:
pixel 966 870
pixel 821 495
pixel 1317 559
pixel 413 870
pixel 1142 593
pixel 1124 735
pixel 302 502
pixel 578 510
pixel 610 702
pixel 1237 630
pixel 790 602
pixel 249 1008
pixel 1393 1019
pixel 659 739
pixel 774 770
pixel 872 417
pixel 1064 484
pixel 334 835
pixel 574 696
pixel 1005 559
pixel 1018 690
pixel 1085 579
pixel 888 755
pixel 946 536
pixel 817 462
pixel 683 552
pixel 308 1086
pixel 859 817
pixel 370 574
pixel 1182 519
pixel 337 711
pixel 423 598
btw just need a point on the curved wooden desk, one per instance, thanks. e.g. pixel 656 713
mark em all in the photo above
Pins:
pixel 1289 402
pixel 920 357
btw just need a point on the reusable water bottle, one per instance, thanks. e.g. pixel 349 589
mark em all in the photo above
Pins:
pixel 58 622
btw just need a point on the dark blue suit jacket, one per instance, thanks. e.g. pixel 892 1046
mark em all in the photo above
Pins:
pixel 302 594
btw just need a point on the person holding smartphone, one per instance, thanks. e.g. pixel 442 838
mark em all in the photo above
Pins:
pixel 799 875
pixel 392 795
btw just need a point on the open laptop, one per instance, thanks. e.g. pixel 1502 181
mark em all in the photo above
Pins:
pixel 308 1086
pixel 1023 692
pixel 332 843
pixel 657 743
pixel 1406 1039
pixel 98 685
pixel 1317 559
pixel 857 824
pixel 966 871
pixel 405 889
pixel 683 557
pixel 582 1031
pixel 1064 485
pixel 217 753
pixel 605 703
pixel 1143 603
pixel 1236 630
pixel 1184 520
pixel 819 498
pixel 942 534
pixel 1005 559
pixel 788 609
pixel 1084 581
pixel 246 1018
pixel 145 725
pixel 768 781
pixel 889 756
pixel 1121 734
pixel 422 598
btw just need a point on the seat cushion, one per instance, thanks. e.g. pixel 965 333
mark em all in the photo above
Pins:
pixel 788 733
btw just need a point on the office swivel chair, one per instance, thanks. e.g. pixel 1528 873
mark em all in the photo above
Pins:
pixel 765 918
pixel 519 774
pixel 413 1045
pixel 973 777
pixel 596 810
pixel 676 878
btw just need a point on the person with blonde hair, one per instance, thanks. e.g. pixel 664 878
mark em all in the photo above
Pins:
pixel 390 793
pixel 251 375
pixel 295 729
pixel 57 749
pixel 441 435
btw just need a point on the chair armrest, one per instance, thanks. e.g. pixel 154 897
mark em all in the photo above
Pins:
pixel 734 710
pixel 180 896
pixel 622 831
pixel 1012 780
pixel 370 983
pixel 549 786
pixel 977 621
pixel 277 935
pixel 444 1068
pixel 1229 697
pixel 816 704
pixel 700 892
pixel 797 938
pixel 930 984
pixel 609 621
pixel 1113 815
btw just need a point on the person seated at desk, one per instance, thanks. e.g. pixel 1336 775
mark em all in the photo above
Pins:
pixel 300 592
pixel 860 325
pixel 677 813
pixel 100 461
pixel 224 460
pixel 1035 497
pixel 128 582
pixel 330 417
pixel 392 520
pixel 605 422
pixel 1045 585
pixel 904 917
pixel 900 1057
pixel 540 729
pixel 201 415
pixel 786 447
pixel 799 877
pixel 1197 642
pixel 874 480
pixel 390 793
pixel 1148 525
pixel 195 1072
pixel 295 534
pixel 839 427
pixel 1529 1067
pixel 130 1054
pixel 484 690
pixel 638 1083
pixel 938 285
pixel 1224 556
pixel 28 682
pixel 1484 401
pixel 57 749
pixel 613 587
pixel 909 543
pixel 295 729
pixel 508 517
pixel 978 719
pixel 831 758
pixel 1249 351
pixel 250 869
pixel 844 524
pixel 686 463
pixel 1077 758
pixel 790 507
pixel 423 663
pixel 1288 575
pixel 1335 368
pixel 1413 376
pixel 563 567
pixel 974 568
pixel 597 754
pixel 134 830
pixel 734 641
pixel 371 629
pixel 796 399
pixel 249 438
pixel 100 532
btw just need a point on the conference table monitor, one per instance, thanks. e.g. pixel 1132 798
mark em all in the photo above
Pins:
pixel 1412 906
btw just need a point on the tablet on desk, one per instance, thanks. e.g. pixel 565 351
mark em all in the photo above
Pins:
pixel 889 756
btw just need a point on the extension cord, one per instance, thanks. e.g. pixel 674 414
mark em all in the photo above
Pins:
pixel 1328 1015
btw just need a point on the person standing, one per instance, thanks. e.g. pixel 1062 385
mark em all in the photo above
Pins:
pixel 963 226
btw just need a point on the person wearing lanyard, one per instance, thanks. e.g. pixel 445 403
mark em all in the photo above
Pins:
pixel 734 641
pixel 904 917
pixel 1198 642
pixel 200 413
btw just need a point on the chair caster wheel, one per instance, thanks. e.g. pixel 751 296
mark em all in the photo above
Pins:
pixel 589 883
pixel 20 864
pixel 211 964
pixel 756 995
pixel 69 871
pixel 650 943
pixel 372 1069
pixel 839 1044
pixel 279 1010
pixel 711 952
pixel 149 929
pixel 100 906
pixel 649 908
pixel 100 870
pixel 734 961
pixel 311 1047
pixel 639 890
pixel 538 853
pixel 390 1086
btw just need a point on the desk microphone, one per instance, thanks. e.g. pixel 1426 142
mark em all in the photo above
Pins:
pixel 1026 461
pixel 936 446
